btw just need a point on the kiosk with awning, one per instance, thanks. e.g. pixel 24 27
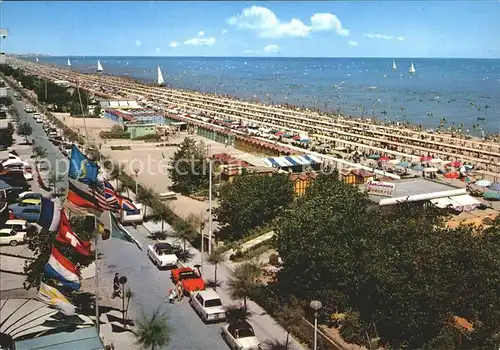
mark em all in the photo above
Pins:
pixel 294 163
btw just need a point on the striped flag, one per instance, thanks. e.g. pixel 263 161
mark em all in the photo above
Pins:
pixel 126 204
pixel 63 270
pixel 50 215
pixel 67 236
pixel 51 296
pixel 97 190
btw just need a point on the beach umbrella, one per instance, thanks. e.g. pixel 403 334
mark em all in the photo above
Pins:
pixel 288 135
pixel 483 183
pixel 279 133
pixel 452 175
pixel 384 159
pixel 495 187
pixel 404 164
pixel 394 161
pixel 374 156
pixel 418 168
pixel 455 164
pixel 465 168
pixel 425 158
pixel 492 196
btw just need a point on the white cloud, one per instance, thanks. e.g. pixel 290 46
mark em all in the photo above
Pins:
pixel 383 36
pixel 201 33
pixel 138 43
pixel 173 44
pixel 251 52
pixel 327 22
pixel 200 41
pixel 271 48
pixel 267 25
pixel 224 31
pixel 158 50
pixel 352 43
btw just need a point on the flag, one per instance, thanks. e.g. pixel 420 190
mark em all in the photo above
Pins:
pixel 82 168
pixel 110 227
pixel 40 181
pixel 98 191
pixel 126 204
pixel 66 235
pixel 80 199
pixel 109 192
pixel 50 215
pixel 60 268
pixel 51 296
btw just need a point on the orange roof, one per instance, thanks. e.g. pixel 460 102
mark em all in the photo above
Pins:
pixel 463 324
pixel 303 176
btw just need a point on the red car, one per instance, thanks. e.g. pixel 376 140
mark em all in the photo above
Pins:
pixel 191 281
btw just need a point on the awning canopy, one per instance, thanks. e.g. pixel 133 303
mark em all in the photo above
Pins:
pixel 290 161
pixel 463 202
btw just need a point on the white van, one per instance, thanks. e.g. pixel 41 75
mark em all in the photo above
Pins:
pixel 132 217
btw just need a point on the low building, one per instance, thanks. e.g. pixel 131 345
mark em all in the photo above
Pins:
pixel 142 116
pixel 229 171
pixel 302 181
pixel 295 164
pixel 119 104
pixel 356 176
pixel 140 130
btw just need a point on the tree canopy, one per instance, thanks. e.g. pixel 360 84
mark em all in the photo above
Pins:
pixel 189 168
pixel 24 130
pixel 401 268
pixel 250 201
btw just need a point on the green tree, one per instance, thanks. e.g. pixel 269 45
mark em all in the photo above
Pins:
pixel 186 232
pixel 243 283
pixel 250 201
pixel 24 130
pixel 189 168
pixel 40 243
pixel 215 258
pixel 290 317
pixel 161 214
pixel 6 136
pixel 38 153
pixel 146 197
pixel 97 110
pixel 153 331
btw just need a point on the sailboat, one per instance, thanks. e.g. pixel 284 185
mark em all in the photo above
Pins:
pixel 69 63
pixel 99 66
pixel 412 69
pixel 160 77
pixel 36 58
pixel 394 67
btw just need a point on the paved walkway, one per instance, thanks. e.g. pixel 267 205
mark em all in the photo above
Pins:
pixel 266 328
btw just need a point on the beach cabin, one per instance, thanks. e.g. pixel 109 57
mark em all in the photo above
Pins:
pixel 140 130
pixel 356 176
pixel 229 171
pixel 295 163
pixel 302 181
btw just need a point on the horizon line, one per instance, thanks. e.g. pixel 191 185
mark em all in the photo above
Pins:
pixel 274 57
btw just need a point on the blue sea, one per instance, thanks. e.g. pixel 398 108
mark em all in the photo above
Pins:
pixel 463 91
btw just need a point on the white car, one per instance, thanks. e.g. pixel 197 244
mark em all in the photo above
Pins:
pixel 240 336
pixel 18 225
pixel 162 254
pixel 9 236
pixel 28 176
pixel 208 305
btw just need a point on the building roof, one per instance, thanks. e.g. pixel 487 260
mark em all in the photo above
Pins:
pixel 225 158
pixel 289 161
pixel 119 104
pixel 80 339
pixel 357 172
pixel 304 176
pixel 123 115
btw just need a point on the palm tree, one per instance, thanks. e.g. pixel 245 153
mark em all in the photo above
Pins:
pixel 38 153
pixel 289 317
pixel 161 213
pixel 244 281
pixel 153 331
pixel 24 129
pixel 215 258
pixel 115 170
pixel 186 232
pixel 145 196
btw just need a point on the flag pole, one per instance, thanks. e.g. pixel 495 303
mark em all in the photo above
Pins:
pixel 96 285
pixel 209 201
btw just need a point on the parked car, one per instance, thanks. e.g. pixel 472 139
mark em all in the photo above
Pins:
pixel 19 225
pixel 29 195
pixel 208 305
pixel 28 209
pixel 162 254
pixel 240 335
pixel 191 281
pixel 9 236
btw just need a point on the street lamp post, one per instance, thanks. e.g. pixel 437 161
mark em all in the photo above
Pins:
pixel 136 172
pixel 100 147
pixel 122 281
pixel 315 305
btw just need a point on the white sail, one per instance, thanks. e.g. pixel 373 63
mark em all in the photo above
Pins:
pixel 69 62
pixel 99 66
pixel 412 69
pixel 36 59
pixel 394 67
pixel 160 77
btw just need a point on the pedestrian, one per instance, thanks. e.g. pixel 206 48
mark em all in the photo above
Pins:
pixel 172 294
pixel 180 291
pixel 116 286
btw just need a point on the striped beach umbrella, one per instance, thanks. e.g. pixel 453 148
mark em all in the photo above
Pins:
pixel 404 164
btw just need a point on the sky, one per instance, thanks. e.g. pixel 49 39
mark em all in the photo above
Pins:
pixel 449 29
